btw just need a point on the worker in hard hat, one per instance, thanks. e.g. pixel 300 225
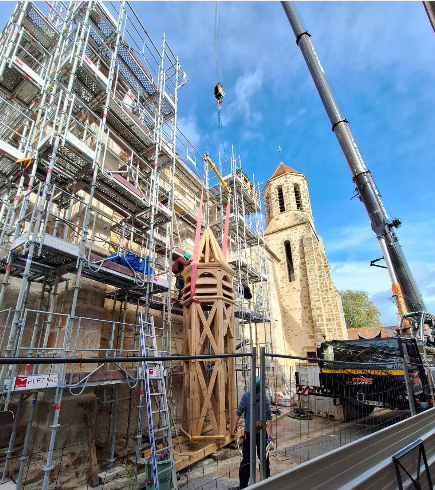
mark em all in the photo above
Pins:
pixel 177 268
pixel 245 408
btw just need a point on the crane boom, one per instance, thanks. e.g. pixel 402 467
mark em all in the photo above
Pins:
pixel 382 225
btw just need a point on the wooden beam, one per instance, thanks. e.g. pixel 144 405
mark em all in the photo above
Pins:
pixel 204 438
pixel 183 460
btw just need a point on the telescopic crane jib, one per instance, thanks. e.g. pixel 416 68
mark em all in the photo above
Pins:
pixel 382 225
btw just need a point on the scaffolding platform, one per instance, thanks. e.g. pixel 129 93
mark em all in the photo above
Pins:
pixel 117 192
pixel 15 126
pixel 119 276
pixel 50 253
pixel 246 315
pixel 40 27
pixel 241 187
pixel 185 212
pixel 246 270
pixel 238 226
pixel 102 377
pixel 39 273
pixel 129 127
pixel 156 300
pixel 73 162
pixel 74 379
pixel 8 167
pixel 72 159
pixel 27 67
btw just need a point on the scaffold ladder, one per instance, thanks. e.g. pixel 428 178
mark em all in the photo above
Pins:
pixel 159 425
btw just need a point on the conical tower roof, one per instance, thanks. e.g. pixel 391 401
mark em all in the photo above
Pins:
pixel 281 170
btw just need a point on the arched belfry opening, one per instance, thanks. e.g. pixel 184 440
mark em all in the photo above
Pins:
pixel 298 198
pixel 281 202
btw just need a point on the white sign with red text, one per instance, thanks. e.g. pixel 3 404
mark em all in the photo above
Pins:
pixel 154 372
pixel 35 382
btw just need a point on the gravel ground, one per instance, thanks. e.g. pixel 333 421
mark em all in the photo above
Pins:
pixel 298 441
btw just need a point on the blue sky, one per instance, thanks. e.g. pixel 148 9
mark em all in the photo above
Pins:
pixel 380 60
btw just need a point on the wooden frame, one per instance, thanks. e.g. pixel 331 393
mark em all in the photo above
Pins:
pixel 208 328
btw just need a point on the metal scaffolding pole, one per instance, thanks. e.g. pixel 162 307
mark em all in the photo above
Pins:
pixel 100 137
pixel 73 111
pixel 22 6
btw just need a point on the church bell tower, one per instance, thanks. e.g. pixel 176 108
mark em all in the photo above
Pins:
pixel 309 304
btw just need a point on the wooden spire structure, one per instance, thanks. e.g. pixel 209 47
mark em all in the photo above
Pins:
pixel 208 328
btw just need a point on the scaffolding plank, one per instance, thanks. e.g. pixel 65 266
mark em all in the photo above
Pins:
pixel 10 150
pixel 28 71
pixel 40 27
pixel 78 146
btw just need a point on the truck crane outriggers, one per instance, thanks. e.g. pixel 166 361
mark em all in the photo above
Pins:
pixel 405 290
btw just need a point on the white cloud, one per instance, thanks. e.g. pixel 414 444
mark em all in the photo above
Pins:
pixel 246 90
pixel 189 126
pixel 291 119
pixel 349 238
pixel 358 275
pixel 351 247
pixel 252 135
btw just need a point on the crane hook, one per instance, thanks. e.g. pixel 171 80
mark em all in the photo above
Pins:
pixel 219 93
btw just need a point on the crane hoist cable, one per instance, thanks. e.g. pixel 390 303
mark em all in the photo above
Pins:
pixel 219 94
pixel 218 90
pixel 217 42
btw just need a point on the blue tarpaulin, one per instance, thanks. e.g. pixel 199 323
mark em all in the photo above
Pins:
pixel 131 260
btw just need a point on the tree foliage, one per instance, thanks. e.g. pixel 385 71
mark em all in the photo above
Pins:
pixel 359 311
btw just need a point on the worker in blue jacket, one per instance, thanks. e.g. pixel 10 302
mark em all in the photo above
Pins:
pixel 245 408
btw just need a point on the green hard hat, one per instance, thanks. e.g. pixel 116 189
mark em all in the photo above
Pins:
pixel 187 255
pixel 257 385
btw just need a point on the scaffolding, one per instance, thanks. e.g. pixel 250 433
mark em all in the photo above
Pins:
pixel 246 254
pixel 99 191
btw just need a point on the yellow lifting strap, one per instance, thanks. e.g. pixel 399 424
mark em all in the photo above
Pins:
pixel 218 175
pixel 24 162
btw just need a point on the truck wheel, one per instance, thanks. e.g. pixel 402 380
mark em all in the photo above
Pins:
pixel 353 410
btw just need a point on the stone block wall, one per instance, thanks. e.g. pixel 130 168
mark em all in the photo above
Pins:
pixel 271 202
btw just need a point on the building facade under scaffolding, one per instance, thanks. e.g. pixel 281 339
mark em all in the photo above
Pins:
pixel 99 194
